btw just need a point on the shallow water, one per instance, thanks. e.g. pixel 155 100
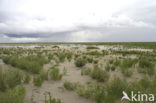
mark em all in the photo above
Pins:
pixel 19 46
pixel 68 46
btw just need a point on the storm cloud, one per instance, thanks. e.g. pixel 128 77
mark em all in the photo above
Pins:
pixel 77 20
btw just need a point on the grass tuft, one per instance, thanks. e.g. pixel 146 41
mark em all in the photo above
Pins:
pixel 38 81
pixel 55 74
pixel 80 62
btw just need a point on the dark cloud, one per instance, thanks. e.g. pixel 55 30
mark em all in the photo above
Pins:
pixel 39 34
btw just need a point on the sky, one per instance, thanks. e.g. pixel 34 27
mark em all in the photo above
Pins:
pixel 77 20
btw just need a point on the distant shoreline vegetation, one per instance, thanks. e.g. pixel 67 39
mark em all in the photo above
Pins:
pixel 146 45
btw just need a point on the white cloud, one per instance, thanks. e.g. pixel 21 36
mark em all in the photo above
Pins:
pixel 85 36
pixel 25 39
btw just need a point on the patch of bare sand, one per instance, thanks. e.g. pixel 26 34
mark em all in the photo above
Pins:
pixel 73 73
pixel 1 62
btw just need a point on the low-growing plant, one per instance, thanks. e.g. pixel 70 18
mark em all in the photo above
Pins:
pixel 95 61
pixel 50 56
pixel 114 90
pixel 145 83
pixel 33 67
pixel 117 62
pixel 69 85
pixel 76 56
pixel 104 52
pixel 55 74
pixel 80 62
pixel 93 91
pixel 107 68
pixel 145 66
pixel 30 63
pixel 90 60
pixel 86 71
pixel 100 94
pixel 127 72
pixel 15 95
pixel 69 56
pixel 3 84
pixel 128 62
pixel 113 68
pixel 55 46
pixel 126 66
pixel 92 47
pixel 38 81
pixel 111 61
pixel 84 92
pixel 27 78
pixel 61 57
pixel 99 74
pixel 51 99
pixel 13 78
pixel 94 53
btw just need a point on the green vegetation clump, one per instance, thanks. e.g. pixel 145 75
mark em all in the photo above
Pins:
pixel 69 85
pixel 146 66
pixel 127 72
pixel 117 62
pixel 124 53
pixel 99 74
pixel 84 91
pixel 55 74
pixel 61 57
pixel 126 66
pixel 69 56
pixel 85 71
pixel 51 99
pixel 113 68
pixel 114 90
pixel 38 81
pixel 95 61
pixel 15 95
pixel 90 60
pixel 112 64
pixel 10 92
pixel 92 47
pixel 7 52
pixel 107 68
pixel 111 61
pixel 95 92
pixel 31 64
pixel 50 56
pixel 9 79
pixel 27 78
pixel 105 52
pixel 94 53
pixel 55 46
pixel 128 62
pixel 80 62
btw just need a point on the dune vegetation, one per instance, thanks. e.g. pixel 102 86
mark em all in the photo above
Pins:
pixel 76 72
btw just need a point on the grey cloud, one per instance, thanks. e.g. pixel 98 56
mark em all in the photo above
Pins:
pixel 12 26
pixel 39 34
